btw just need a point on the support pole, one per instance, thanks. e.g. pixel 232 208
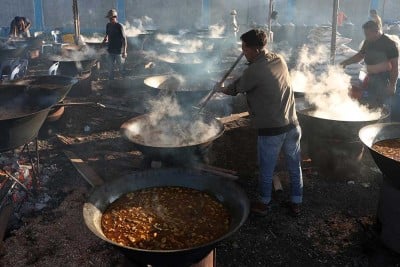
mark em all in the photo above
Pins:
pixel 77 27
pixel 374 4
pixel 383 8
pixel 205 13
pixel 270 9
pixel 38 13
pixel 334 30
pixel 121 11
pixel 291 10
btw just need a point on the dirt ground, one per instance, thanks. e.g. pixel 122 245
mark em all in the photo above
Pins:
pixel 336 227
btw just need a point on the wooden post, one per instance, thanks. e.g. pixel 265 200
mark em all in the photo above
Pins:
pixel 270 9
pixel 383 9
pixel 77 26
pixel 209 261
pixel 334 30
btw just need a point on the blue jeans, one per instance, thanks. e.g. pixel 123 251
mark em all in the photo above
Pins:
pixel 115 60
pixel 269 148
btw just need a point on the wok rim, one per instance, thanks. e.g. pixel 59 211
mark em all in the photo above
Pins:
pixel 31 113
pixel 124 128
pixel 383 162
pixel 231 231
pixel 168 76
pixel 54 57
pixel 362 134
pixel 384 114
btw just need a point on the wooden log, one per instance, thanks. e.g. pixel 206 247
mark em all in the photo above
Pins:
pixel 84 169
pixel 213 171
pixel 277 183
pixel 209 261
pixel 218 169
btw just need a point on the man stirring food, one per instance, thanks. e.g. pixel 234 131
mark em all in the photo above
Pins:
pixel 380 54
pixel 266 83
pixel 117 42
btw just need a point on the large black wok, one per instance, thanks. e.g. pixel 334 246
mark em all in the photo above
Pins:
pixel 373 133
pixel 74 65
pixel 11 52
pixel 330 128
pixel 187 90
pixel 61 84
pixel 231 195
pixel 186 64
pixel 95 45
pixel 332 145
pixel 23 110
pixel 28 42
pixel 180 154
pixel 185 51
pixel 138 41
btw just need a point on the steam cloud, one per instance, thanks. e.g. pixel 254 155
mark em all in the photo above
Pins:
pixel 95 38
pixel 216 30
pixel 327 87
pixel 167 125
pixel 139 26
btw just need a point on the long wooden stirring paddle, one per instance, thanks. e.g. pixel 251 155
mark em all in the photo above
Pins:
pixel 183 129
pixel 203 102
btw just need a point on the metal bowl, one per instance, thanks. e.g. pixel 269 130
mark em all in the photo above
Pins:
pixel 178 154
pixel 373 133
pixel 23 111
pixel 227 192
pixel 188 90
pixel 331 128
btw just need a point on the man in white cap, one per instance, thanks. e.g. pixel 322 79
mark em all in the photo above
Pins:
pixel 117 42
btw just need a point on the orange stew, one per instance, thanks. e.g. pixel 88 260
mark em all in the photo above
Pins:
pixel 165 218
pixel 389 148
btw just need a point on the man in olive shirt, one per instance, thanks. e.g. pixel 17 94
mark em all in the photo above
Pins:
pixel 117 43
pixel 381 56
pixel 266 83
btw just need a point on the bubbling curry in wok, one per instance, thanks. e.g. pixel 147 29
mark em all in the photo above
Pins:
pixel 165 218
pixel 389 148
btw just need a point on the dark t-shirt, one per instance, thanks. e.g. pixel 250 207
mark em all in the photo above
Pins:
pixel 379 51
pixel 116 37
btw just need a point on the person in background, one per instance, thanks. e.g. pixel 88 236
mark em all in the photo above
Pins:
pixel 373 15
pixel 19 27
pixel 341 18
pixel 266 83
pixel 234 24
pixel 117 43
pixel 274 18
pixel 381 55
